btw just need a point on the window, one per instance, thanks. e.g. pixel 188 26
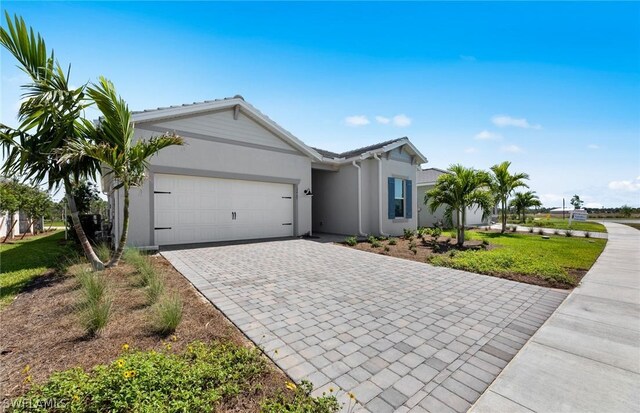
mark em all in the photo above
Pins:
pixel 399 197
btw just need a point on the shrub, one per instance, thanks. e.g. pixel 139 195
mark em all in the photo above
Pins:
pixel 531 230
pixel 587 234
pixel 371 239
pixel 514 228
pixel 103 251
pixel 132 256
pixel 392 241
pixel 196 380
pixel 568 233
pixel 485 242
pixel 376 244
pixel 167 315
pixel 301 402
pixel 351 241
pixel 408 233
pixel 382 238
pixel 541 231
pixel 386 248
pixel 435 247
pixel 436 232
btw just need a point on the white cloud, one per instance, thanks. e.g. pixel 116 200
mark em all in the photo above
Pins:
pixel 504 121
pixel 356 120
pixel 470 150
pixel 628 186
pixel 485 135
pixel 593 146
pixel 383 120
pixel 551 199
pixel 401 120
pixel 467 58
pixel 511 149
pixel 593 205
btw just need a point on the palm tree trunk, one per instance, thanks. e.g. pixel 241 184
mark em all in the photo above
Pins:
pixel 463 218
pixel 503 203
pixel 96 264
pixel 117 255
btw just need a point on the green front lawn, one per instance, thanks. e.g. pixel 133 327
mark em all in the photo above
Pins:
pixel 525 254
pixel 21 261
pixel 559 223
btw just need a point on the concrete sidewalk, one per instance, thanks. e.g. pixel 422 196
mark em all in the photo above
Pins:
pixel 586 357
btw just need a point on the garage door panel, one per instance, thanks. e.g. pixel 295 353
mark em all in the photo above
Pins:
pixel 199 209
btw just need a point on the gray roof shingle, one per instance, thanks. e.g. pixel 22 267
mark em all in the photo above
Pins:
pixel 356 152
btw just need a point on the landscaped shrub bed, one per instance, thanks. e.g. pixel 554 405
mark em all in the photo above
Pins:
pixel 199 379
pixel 48 351
pixel 556 261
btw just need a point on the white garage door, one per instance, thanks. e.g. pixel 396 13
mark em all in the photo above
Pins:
pixel 191 209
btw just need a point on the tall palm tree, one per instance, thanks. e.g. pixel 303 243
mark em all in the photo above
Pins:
pixel 460 189
pixel 524 200
pixel 503 185
pixel 49 119
pixel 112 144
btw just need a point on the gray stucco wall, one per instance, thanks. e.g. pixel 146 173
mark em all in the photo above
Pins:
pixel 215 148
pixel 427 219
pixel 335 199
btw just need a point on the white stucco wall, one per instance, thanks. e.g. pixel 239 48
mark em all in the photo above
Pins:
pixel 217 145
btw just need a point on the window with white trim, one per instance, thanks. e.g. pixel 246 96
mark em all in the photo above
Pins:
pixel 399 197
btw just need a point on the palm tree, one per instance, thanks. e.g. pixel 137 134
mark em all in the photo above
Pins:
pixel 524 200
pixel 48 120
pixel 458 190
pixel 503 184
pixel 115 149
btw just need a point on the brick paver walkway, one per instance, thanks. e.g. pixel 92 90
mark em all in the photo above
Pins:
pixel 401 335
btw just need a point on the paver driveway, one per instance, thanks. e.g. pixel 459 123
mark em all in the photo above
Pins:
pixel 400 335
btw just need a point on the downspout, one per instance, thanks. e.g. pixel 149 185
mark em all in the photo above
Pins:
pixel 359 199
pixel 375 156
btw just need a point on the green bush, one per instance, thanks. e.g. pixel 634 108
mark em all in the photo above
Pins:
pixel 198 380
pixel 541 231
pixel 408 233
pixel 386 248
pixel 587 234
pixel 351 241
pixel 568 233
pixel 376 244
pixel 436 232
pixel 167 315
pixel 92 286
pixel 392 241
pixel 301 402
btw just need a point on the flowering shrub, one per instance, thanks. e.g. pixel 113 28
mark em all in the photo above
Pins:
pixel 300 401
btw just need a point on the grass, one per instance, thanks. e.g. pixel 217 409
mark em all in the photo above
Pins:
pixel 22 261
pixel 559 223
pixel 550 259
pixel 167 315
pixel 48 224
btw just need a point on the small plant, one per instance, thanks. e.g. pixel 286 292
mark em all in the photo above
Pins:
pixel 376 244
pixel 351 241
pixel 167 315
pixel 412 244
pixel 302 401
pixel 371 239
pixel 453 253
pixel 392 241
pixel 435 247
pixel 386 248
pixel 436 232
pixel 414 250
pixel 382 238
pixel 587 234
pixel 514 228
pixel 95 315
pixel 408 233
pixel 568 233
pixel 103 251
pixel 485 242
pixel 154 288
pixel 541 231
pixel 530 230
pixel 92 286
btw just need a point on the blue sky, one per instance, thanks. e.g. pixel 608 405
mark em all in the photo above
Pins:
pixel 553 87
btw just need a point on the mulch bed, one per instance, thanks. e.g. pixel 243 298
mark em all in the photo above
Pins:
pixel 40 329
pixel 446 244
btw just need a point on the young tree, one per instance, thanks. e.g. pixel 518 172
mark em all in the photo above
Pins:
pixel 503 184
pixel 576 202
pixel 524 200
pixel 35 204
pixel 626 210
pixel 115 149
pixel 48 120
pixel 458 190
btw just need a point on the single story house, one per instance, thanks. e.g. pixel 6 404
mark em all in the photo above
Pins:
pixel 242 176
pixel 426 180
